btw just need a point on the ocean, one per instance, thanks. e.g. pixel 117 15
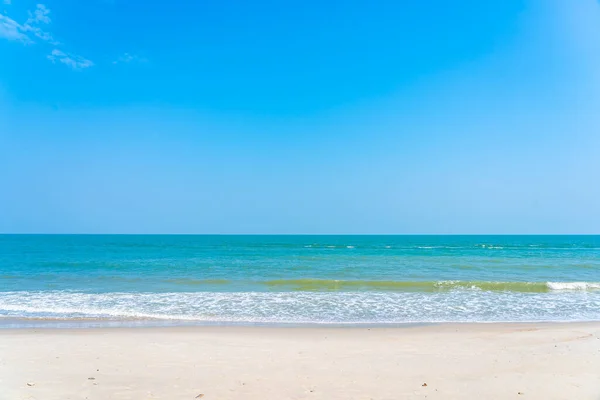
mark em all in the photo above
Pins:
pixel 297 279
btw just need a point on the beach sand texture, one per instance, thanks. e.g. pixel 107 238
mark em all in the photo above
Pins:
pixel 470 361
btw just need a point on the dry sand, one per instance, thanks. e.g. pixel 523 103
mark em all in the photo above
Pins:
pixel 486 361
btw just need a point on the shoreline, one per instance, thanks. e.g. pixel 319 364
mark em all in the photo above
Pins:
pixel 457 361
pixel 443 327
pixel 16 324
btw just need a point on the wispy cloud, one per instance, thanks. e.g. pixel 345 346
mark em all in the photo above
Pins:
pixel 33 28
pixel 12 30
pixel 71 60
pixel 129 58
pixel 40 16
pixel 7 2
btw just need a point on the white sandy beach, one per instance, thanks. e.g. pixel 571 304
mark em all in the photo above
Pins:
pixel 485 361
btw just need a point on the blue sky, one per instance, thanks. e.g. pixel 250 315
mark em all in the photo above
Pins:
pixel 300 117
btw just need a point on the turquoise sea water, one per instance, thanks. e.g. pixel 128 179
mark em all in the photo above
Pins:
pixel 299 279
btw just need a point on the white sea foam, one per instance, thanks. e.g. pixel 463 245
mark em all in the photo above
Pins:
pixel 573 285
pixel 304 307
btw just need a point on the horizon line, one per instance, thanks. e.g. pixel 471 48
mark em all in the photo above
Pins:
pixel 293 234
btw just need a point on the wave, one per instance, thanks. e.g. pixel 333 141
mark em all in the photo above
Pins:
pixel 424 286
pixel 302 307
pixel 574 285
pixel 329 285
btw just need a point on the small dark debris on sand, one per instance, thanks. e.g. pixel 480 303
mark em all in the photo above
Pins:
pixel 424 385
pixel 91 378
pixel 200 395
pixel 520 393
pixel 30 384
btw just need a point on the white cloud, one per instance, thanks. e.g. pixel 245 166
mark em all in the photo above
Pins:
pixel 12 30
pixel 128 58
pixel 25 33
pixel 40 33
pixel 70 60
pixel 39 16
